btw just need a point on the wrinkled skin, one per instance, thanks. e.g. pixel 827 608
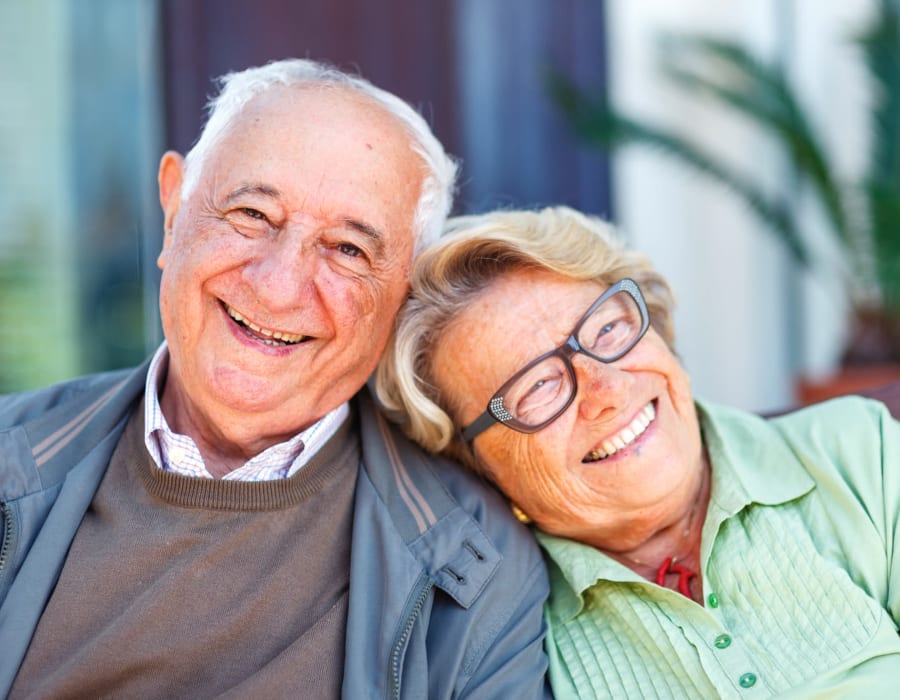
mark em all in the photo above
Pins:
pixel 301 224
pixel 632 502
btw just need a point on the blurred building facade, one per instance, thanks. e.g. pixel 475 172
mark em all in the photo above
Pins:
pixel 79 138
pixel 100 88
pixel 748 323
pixel 96 90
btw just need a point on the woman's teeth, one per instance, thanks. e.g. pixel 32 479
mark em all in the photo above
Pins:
pixel 264 334
pixel 625 437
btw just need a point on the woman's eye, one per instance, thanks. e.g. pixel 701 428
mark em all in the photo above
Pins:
pixel 537 387
pixel 610 333
pixel 538 394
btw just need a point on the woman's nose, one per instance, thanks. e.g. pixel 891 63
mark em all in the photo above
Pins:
pixel 602 388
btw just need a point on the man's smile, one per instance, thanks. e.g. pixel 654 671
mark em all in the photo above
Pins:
pixel 268 336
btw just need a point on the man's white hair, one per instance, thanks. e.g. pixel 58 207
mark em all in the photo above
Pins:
pixel 236 89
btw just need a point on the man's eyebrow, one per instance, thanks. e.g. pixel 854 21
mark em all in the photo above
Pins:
pixel 366 229
pixel 253 188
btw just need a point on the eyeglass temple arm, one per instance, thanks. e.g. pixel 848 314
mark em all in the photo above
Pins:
pixel 482 423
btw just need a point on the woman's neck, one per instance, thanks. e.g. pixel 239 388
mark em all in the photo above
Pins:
pixel 671 555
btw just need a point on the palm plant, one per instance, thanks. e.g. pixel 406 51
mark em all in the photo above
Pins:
pixel 863 217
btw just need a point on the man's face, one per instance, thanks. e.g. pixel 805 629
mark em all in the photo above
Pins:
pixel 284 267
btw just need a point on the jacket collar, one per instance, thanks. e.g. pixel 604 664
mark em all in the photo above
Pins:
pixel 449 544
pixel 94 407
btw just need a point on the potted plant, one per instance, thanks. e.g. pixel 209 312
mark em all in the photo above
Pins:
pixel 863 216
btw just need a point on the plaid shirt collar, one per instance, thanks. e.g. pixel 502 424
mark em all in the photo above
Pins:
pixel 178 453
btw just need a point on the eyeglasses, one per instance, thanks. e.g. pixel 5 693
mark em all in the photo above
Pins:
pixel 540 392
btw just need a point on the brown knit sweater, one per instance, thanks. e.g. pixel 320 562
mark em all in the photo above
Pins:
pixel 179 587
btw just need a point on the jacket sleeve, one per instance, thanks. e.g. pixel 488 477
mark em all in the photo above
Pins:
pixel 513 664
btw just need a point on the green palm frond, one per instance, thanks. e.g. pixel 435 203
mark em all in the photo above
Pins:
pixel 884 210
pixel 729 76
pixel 727 73
pixel 880 46
pixel 599 126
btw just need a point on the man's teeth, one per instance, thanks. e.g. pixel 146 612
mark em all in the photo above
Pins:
pixel 625 437
pixel 270 337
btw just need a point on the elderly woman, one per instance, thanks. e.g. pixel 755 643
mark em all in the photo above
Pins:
pixel 694 550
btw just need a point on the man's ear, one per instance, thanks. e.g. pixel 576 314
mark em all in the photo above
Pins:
pixel 170 178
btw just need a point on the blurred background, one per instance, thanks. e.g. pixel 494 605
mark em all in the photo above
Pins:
pixel 544 102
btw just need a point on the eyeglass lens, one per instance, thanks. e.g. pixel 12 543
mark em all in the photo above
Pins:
pixel 541 391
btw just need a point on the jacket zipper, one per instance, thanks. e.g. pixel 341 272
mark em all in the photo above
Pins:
pixel 402 640
pixel 6 542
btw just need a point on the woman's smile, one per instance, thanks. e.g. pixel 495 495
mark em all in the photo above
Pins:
pixel 625 437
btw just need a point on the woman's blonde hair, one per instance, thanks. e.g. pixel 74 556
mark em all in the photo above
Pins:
pixel 448 276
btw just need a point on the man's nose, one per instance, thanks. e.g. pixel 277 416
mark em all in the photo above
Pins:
pixel 283 275
pixel 602 387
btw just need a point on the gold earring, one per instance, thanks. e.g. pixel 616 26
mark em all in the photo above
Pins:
pixel 520 514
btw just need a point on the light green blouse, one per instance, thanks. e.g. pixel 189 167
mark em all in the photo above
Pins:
pixel 801 582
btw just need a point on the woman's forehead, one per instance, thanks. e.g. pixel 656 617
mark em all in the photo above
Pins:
pixel 518 317
pixel 538 298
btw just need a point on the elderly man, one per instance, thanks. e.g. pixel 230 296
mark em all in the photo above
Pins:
pixel 235 518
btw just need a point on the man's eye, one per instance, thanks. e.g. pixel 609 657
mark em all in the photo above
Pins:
pixel 253 213
pixel 350 250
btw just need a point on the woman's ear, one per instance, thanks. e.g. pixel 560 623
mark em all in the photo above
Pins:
pixel 170 178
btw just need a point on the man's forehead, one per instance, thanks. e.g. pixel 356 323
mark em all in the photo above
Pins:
pixel 331 148
pixel 327 98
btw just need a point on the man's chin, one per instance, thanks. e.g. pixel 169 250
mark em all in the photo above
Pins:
pixel 236 393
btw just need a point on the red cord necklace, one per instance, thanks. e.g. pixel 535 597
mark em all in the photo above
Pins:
pixel 670 566
pixel 684 575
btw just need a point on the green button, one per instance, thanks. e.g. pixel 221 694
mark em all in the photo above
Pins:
pixel 748 680
pixel 713 600
pixel 723 641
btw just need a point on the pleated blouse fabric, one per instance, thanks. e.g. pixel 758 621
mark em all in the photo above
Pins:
pixel 801 583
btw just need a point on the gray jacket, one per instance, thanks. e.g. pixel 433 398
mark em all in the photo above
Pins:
pixel 446 590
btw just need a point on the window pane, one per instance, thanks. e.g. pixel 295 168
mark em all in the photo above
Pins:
pixel 79 127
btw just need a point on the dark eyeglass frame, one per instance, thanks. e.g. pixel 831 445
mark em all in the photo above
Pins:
pixel 497 413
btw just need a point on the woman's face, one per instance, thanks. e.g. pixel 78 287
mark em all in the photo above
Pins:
pixel 555 475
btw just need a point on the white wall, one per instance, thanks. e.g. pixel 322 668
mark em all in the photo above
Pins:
pixel 746 326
